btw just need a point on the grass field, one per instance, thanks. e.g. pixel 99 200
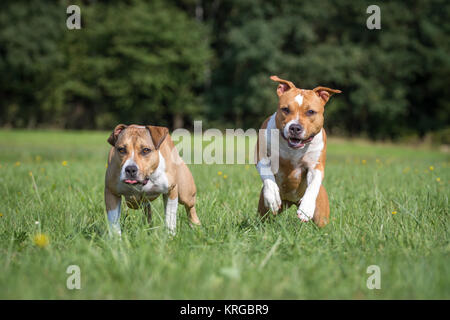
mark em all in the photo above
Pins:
pixel 389 207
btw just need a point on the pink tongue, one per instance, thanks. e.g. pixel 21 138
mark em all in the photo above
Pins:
pixel 131 181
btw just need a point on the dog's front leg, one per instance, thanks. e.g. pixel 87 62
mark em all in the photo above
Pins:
pixel 271 192
pixel 170 208
pixel 308 203
pixel 113 204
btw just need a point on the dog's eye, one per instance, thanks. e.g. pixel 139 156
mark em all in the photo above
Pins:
pixel 285 110
pixel 310 112
pixel 146 150
pixel 122 150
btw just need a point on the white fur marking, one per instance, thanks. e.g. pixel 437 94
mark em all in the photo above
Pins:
pixel 271 194
pixel 129 162
pixel 299 99
pixel 114 220
pixel 158 182
pixel 264 165
pixel 171 206
pixel 313 152
pixel 264 169
pixel 308 205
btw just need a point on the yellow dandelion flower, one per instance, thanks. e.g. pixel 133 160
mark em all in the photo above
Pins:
pixel 394 212
pixel 41 240
pixel 30 173
pixel 219 173
pixel 438 179
pixel 364 161
pixel 1 215
pixel 378 161
pixel 431 168
pixel 38 158
pixel 106 165
pixel 17 163
pixel 64 163
pixel 247 166
pixel 225 176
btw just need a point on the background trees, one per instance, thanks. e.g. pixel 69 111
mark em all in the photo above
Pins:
pixel 170 62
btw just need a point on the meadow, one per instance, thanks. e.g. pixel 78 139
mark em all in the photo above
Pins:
pixel 389 207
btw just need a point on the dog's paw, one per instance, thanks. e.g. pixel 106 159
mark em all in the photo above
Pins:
pixel 306 211
pixel 271 194
pixel 115 232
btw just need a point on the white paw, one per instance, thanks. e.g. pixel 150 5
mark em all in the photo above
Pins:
pixel 306 211
pixel 271 194
pixel 114 231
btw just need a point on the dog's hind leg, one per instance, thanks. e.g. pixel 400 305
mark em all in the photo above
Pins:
pixel 187 192
pixel 188 199
pixel 192 215
pixel 322 211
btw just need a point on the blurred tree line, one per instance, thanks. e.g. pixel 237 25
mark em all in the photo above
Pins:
pixel 174 61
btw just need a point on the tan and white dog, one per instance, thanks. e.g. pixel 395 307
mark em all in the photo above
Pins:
pixel 301 154
pixel 142 164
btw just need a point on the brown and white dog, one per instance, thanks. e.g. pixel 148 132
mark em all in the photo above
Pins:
pixel 142 164
pixel 300 154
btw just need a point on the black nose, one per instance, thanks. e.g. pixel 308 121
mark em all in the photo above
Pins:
pixel 131 171
pixel 295 129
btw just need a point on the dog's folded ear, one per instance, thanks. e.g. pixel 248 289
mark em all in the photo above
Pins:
pixel 325 93
pixel 284 85
pixel 117 130
pixel 158 134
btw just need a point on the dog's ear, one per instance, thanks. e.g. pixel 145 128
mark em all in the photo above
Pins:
pixel 325 93
pixel 284 85
pixel 117 130
pixel 158 134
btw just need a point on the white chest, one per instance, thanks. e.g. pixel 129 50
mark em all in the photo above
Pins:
pixel 158 182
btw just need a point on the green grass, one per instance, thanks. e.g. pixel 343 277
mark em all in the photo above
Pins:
pixel 233 255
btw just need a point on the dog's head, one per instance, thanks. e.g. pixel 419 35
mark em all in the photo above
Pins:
pixel 300 112
pixel 136 149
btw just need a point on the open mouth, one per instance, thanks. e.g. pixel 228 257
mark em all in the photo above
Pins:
pixel 135 182
pixel 297 142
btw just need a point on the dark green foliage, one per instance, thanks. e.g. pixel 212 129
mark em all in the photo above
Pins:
pixel 393 80
pixel 170 62
pixel 142 65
